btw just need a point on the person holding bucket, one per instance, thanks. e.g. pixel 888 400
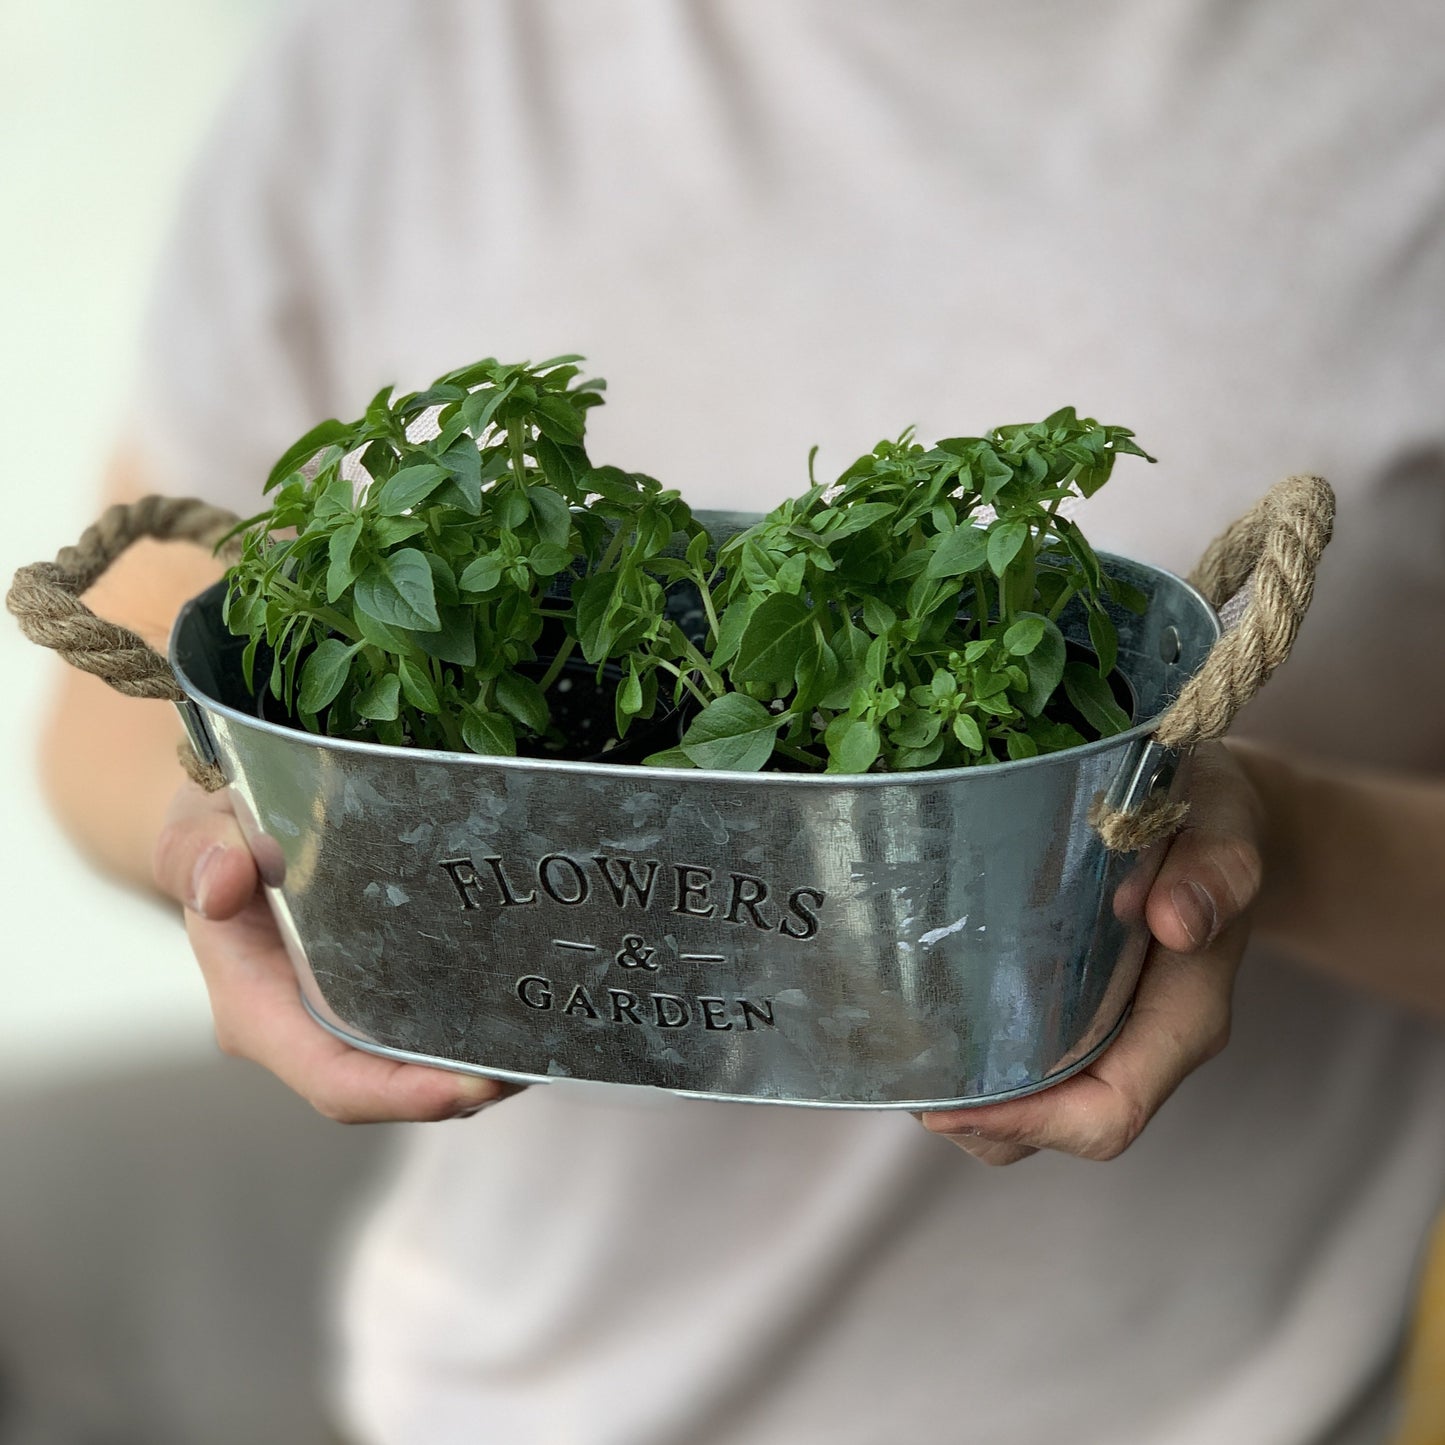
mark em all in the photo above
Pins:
pixel 813 222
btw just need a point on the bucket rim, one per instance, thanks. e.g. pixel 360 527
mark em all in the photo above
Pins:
pixel 1139 733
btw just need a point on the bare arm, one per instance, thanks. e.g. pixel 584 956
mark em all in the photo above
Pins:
pixel 1355 870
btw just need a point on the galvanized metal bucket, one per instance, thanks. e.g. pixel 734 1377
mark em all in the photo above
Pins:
pixel 899 939
pixel 915 940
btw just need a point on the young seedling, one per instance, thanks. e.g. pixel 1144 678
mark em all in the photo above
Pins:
pixel 425 576
pixel 408 581
pixel 907 615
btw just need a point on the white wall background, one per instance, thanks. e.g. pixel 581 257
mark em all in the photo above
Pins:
pixel 101 105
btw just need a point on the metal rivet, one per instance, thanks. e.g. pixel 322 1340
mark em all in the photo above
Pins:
pixel 1169 645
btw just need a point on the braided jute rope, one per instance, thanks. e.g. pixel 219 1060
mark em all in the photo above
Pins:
pixel 45 598
pixel 1273 549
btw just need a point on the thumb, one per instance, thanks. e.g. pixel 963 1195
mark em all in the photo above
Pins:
pixel 201 858
pixel 1213 869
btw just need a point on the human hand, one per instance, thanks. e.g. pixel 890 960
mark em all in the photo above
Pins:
pixel 202 861
pixel 1196 909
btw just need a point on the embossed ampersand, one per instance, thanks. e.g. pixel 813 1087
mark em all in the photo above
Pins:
pixel 636 954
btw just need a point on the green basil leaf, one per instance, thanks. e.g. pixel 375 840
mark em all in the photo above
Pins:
pixel 997 705
pixel 1055 737
pixel 668 758
pixel 1025 634
pixel 409 487
pixel 1105 637
pixel 777 636
pixel 512 509
pixel 857 517
pixel 612 483
pixel 454 641
pixel 464 486
pixel 399 591
pixel 1005 542
pixel 324 673
pixel 386 532
pixel 760 568
pixel 551 514
pixel 483 575
pixel 342 566
pixel 1045 667
pixel 558 419
pixel 324 434
pixel 916 730
pixel 382 700
pixel 853 745
pixel 736 733
pixel 378 634
pixel 791 574
pixel 697 552
pixel 547 559
pixel 1128 596
pixel 596 625
pixel 966 730
pixel 965 549
pixel 878 616
pixel 1079 548
pixel 563 466
pixel 997 474
pixel 444 581
pixel 731 626
pixel 629 695
pixel 1021 746
pixel 417 687
pixel 481 405
pixel 875 661
pixel 910 759
pixel 337 499
pixel 1092 696
pixel 379 407
pixel 488 733
pixel 526 702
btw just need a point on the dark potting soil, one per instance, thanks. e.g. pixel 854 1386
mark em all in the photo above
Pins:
pixel 584 721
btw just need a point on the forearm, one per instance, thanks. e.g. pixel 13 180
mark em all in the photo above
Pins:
pixel 1354 873
pixel 109 767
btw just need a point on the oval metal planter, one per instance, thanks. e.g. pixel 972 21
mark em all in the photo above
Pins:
pixel 884 941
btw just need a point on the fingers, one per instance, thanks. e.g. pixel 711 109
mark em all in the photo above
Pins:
pixel 1180 1020
pixel 201 858
pixel 1213 869
pixel 986 1151
pixel 1196 910
pixel 203 862
pixel 259 1016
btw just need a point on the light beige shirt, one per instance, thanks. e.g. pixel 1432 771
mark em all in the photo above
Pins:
pixel 775 222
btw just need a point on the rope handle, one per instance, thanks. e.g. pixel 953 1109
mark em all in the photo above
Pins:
pixel 45 599
pixel 1274 550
